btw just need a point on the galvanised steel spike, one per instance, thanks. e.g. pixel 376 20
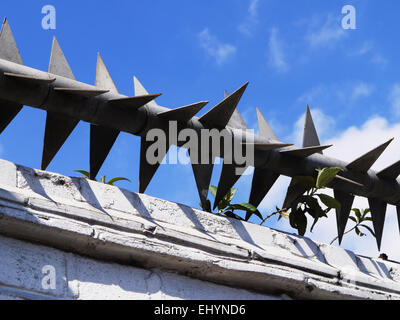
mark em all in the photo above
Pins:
pixel 391 172
pixel 58 64
pixel 141 91
pixel 8 47
pixel 378 212
pixel 398 215
pixel 103 78
pixel 102 140
pixel 147 170
pixel 202 174
pixel 342 215
pixel 264 128
pixel 310 136
pixel 263 180
pixel 365 162
pixel 58 127
pixel 29 79
pixel 265 146
pixel 305 152
pixel 183 114
pixel 8 111
pixel 68 101
pixel 220 115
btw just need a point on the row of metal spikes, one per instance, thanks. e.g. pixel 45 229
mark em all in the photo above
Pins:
pixel 59 127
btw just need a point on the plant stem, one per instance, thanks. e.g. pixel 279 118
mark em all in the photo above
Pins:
pixel 336 238
pixel 271 215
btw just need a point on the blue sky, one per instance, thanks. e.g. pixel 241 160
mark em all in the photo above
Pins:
pixel 293 53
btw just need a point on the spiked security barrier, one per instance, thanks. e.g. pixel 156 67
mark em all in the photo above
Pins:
pixel 68 101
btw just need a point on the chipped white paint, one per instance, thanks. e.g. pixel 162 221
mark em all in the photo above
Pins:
pixel 109 243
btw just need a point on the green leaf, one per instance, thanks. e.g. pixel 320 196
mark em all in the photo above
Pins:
pixel 244 206
pixel 103 179
pixel 305 181
pixel 213 190
pixel 365 212
pixel 230 214
pixel 85 173
pixel 357 212
pixel 329 201
pixel 369 229
pixel 359 233
pixel 230 195
pixel 114 180
pixel 353 219
pixel 298 220
pixel 326 175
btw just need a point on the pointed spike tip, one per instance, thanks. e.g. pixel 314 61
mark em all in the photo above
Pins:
pixel 8 47
pixel 264 128
pixel 58 63
pixel 103 77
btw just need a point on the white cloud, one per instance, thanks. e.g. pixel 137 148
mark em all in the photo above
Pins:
pixel 326 35
pixel 276 54
pixel 251 18
pixel 362 90
pixel 221 52
pixel 366 47
pixel 347 94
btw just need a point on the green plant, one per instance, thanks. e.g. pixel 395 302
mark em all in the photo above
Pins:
pixel 310 201
pixel 360 218
pixel 225 207
pixel 86 175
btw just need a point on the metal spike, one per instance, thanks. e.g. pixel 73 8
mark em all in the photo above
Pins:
pixel 265 129
pixel 30 79
pixel 103 77
pixel 268 146
pixel 342 216
pixel 391 172
pixel 378 212
pixel 352 182
pixel 8 111
pixel 365 162
pixel 147 170
pixel 58 64
pixel 236 120
pixel 305 152
pixel 202 174
pixel 294 191
pixel 263 180
pixel 133 102
pixel 141 91
pixel 183 114
pixel 58 129
pixel 398 215
pixel 221 114
pixel 226 182
pixel 310 136
pixel 8 47
pixel 81 92
pixel 101 141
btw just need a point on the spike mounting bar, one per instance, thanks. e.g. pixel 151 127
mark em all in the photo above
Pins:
pixel 68 101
